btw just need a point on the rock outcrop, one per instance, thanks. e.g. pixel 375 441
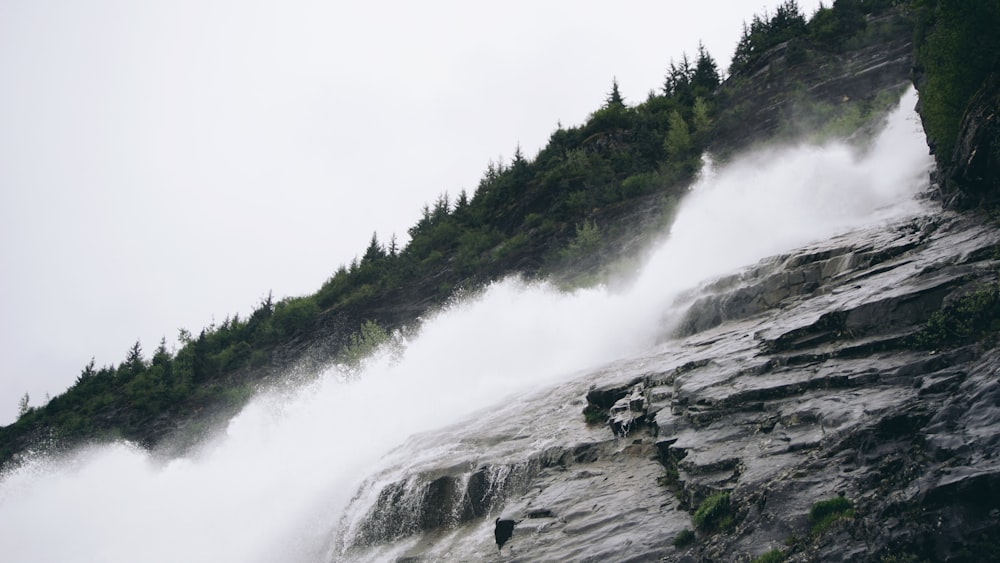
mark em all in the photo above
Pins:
pixel 793 90
pixel 972 179
pixel 792 383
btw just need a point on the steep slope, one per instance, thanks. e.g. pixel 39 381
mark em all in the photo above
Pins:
pixel 832 402
pixel 807 380
pixel 595 195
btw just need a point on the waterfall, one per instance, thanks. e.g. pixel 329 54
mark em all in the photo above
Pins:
pixel 274 484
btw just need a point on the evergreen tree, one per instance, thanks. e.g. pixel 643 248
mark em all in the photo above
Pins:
pixel 374 252
pixel 766 32
pixel 423 223
pixel 518 159
pixel 87 373
pixel 700 119
pixel 678 140
pixel 22 405
pixel 265 308
pixel 161 356
pixel 678 82
pixel 462 202
pixel 744 48
pixel 788 22
pixel 705 78
pixel 133 364
pixel 442 207
pixel 614 99
pixel 394 245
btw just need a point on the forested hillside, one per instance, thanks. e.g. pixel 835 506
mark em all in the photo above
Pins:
pixel 958 75
pixel 590 197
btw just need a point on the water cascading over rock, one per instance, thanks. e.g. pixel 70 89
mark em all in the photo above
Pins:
pixel 778 363
pixel 761 355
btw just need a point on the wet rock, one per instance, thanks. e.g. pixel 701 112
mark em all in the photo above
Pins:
pixel 628 412
pixel 797 395
pixel 605 397
pixel 970 180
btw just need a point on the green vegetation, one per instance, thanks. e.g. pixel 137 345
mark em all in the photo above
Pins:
pixel 826 512
pixel 812 63
pixel 684 538
pixel 957 46
pixel 765 32
pixel 528 216
pixel 900 558
pixel 972 317
pixel 715 513
pixel 824 121
pixel 23 405
pixel 561 211
pixel 837 28
pixel 773 556
pixel 362 345
pixel 587 240
pixel 593 414
pixel 984 547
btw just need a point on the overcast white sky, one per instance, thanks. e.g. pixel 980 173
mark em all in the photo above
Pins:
pixel 168 162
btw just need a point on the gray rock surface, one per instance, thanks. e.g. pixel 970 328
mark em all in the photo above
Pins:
pixel 790 383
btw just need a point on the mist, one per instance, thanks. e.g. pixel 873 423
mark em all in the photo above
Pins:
pixel 164 165
pixel 274 483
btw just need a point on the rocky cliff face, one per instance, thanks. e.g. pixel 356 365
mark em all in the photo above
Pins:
pixel 972 179
pixel 795 409
pixel 791 385
pixel 796 91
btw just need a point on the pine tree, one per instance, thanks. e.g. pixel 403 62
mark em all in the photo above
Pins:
pixel 161 356
pixel 87 372
pixel 705 78
pixel 442 206
pixel 374 252
pixel 134 364
pixel 699 116
pixel 678 81
pixel 518 158
pixel 678 141
pixel 614 99
pixel 22 406
pixel 394 245
pixel 463 200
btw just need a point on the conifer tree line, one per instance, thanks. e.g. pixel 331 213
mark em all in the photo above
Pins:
pixel 529 215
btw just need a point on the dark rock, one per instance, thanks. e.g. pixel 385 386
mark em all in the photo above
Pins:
pixel 605 397
pixel 854 74
pixel 827 398
pixel 628 411
pixel 973 177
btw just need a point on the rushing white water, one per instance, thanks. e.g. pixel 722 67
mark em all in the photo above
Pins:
pixel 272 485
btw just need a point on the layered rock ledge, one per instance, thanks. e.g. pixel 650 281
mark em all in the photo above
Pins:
pixel 791 383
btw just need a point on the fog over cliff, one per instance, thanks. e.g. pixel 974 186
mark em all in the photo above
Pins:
pixel 275 482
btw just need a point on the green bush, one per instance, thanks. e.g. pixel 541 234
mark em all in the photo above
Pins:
pixel 295 314
pixel 714 513
pixel 594 415
pixel 973 316
pixel 511 247
pixel 363 344
pixel 587 240
pixel 826 512
pixel 641 184
pixel 773 556
pixel 684 538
